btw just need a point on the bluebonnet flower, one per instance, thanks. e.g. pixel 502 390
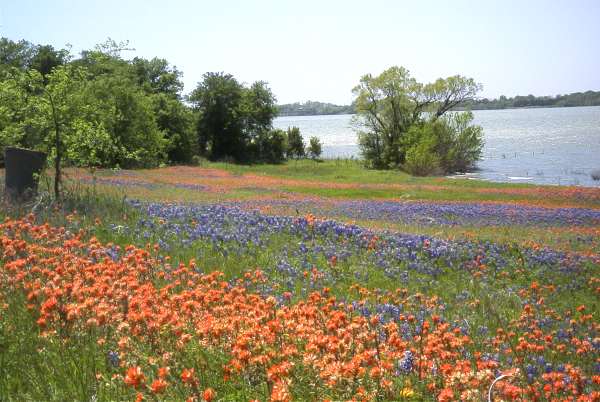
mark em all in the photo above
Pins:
pixel 113 358
pixel 405 365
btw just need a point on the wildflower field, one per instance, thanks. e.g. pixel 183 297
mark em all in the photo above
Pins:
pixel 304 281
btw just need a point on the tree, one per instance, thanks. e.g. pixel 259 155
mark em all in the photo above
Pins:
pixel 218 100
pixel 458 143
pixel 390 104
pixel 46 58
pixel 446 94
pixel 259 109
pixel 156 76
pixel 24 55
pixel 314 148
pixel 386 106
pixel 295 143
pixel 15 54
pixel 271 146
pixel 17 88
pixel 176 121
pixel 163 84
pixel 127 114
pixel 233 121
pixel 59 113
pixel 128 106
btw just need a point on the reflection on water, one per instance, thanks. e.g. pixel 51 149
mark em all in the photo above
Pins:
pixel 546 146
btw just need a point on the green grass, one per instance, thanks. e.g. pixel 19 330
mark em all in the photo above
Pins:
pixel 349 171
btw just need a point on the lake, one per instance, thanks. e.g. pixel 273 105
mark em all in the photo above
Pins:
pixel 544 146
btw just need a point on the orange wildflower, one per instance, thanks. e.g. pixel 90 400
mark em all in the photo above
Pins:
pixel 208 394
pixel 163 372
pixel 158 386
pixel 187 376
pixel 134 376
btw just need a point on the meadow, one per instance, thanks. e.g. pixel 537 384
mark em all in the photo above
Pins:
pixel 300 281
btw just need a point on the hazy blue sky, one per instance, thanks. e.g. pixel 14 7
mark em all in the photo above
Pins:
pixel 319 49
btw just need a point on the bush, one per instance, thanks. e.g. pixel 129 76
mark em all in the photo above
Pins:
pixel 451 140
pixel 314 148
pixel 272 146
pixel 457 143
pixel 295 143
pixel 421 159
pixel 595 174
pixel 198 160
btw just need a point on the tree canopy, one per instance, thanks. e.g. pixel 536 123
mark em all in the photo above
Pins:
pixel 235 121
pixel 104 110
pixel 134 106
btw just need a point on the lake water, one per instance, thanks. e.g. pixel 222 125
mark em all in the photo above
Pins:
pixel 545 146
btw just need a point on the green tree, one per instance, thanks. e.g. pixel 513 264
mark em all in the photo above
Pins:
pixel 105 59
pixel 156 76
pixel 176 121
pixel 163 83
pixel 458 143
pixel 60 114
pixel 15 54
pixel 271 146
pixel 390 104
pixel 295 143
pixel 387 106
pixel 259 109
pixel 234 121
pixel 421 159
pixel 127 114
pixel 17 88
pixel 218 101
pixel 24 55
pixel 447 144
pixel 46 58
pixel 314 148
pixel 128 108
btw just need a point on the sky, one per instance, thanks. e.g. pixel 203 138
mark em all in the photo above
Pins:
pixel 319 49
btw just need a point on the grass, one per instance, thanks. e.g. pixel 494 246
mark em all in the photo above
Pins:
pixel 297 257
pixel 331 179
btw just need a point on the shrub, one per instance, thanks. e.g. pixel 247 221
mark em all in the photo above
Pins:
pixel 455 144
pixel 595 174
pixel 272 146
pixel 421 159
pixel 295 143
pixel 198 160
pixel 314 148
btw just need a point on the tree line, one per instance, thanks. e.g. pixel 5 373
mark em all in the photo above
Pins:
pixel 311 108
pixel 100 109
pixel 588 98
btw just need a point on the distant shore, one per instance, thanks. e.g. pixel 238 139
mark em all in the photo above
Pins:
pixel 576 99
